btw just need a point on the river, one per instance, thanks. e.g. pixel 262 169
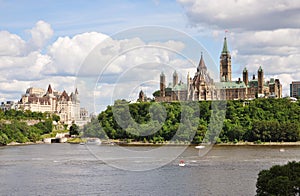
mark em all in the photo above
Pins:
pixel 70 169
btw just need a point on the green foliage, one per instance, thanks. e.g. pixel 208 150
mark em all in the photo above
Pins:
pixel 279 180
pixel 259 120
pixel 93 129
pixel 74 129
pixel 14 127
pixel 156 93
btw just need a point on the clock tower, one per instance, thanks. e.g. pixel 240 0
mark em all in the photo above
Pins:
pixel 225 64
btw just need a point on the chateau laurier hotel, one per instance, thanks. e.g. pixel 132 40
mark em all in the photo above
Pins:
pixel 202 86
pixel 60 103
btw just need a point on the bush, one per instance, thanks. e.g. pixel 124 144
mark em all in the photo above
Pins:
pixel 279 180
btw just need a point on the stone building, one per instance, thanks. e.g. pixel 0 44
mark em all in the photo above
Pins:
pixel 203 87
pixel 295 89
pixel 67 106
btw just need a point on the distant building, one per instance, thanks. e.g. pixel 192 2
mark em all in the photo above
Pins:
pixel 67 107
pixel 295 89
pixel 203 87
pixel 9 105
pixel 142 96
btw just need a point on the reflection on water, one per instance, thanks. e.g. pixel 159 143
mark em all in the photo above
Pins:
pixel 65 169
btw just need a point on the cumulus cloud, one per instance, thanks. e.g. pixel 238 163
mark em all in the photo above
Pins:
pixel 67 53
pixel 11 44
pixel 40 34
pixel 239 14
pixel 118 67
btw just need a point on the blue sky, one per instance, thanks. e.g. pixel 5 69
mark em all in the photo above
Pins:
pixel 46 41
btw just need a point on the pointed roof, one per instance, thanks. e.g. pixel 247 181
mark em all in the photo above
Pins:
pixel 76 91
pixel 49 91
pixel 175 73
pixel 225 47
pixel 245 70
pixel 201 65
pixel 141 93
pixel 260 69
pixel 162 74
pixel 65 95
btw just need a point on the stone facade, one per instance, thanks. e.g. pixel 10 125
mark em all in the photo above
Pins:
pixel 59 103
pixel 295 89
pixel 202 86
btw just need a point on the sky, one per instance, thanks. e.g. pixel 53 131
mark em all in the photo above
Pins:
pixel 58 43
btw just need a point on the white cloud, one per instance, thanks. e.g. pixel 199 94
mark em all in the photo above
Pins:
pixel 11 44
pixel 127 65
pixel 69 53
pixel 243 14
pixel 40 34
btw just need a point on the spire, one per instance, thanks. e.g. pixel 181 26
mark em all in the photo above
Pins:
pixel 175 73
pixel 201 64
pixel 245 70
pixel 260 69
pixel 76 91
pixel 225 48
pixel 49 91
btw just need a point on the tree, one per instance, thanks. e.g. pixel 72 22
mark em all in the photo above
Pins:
pixel 74 129
pixel 279 180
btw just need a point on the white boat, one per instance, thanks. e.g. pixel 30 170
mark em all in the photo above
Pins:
pixel 181 163
pixel 200 147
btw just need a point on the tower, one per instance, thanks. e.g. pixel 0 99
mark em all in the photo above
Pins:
pixel 162 84
pixel 175 78
pixel 260 79
pixel 141 96
pixel 245 76
pixel 225 64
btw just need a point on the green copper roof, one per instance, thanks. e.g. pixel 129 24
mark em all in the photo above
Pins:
pixel 260 69
pixel 235 84
pixel 225 48
pixel 245 70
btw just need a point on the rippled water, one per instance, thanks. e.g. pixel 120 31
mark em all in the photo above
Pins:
pixel 66 169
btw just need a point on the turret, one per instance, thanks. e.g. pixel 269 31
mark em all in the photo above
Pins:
pixel 162 84
pixel 175 78
pixel 260 75
pixel 245 76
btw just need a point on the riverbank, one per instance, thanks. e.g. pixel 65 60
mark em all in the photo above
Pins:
pixel 260 144
pixel 219 144
pixel 121 143
pixel 26 143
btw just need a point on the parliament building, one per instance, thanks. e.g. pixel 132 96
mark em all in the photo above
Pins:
pixel 203 87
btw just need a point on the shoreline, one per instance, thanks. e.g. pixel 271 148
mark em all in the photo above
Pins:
pixel 174 144
pixel 220 144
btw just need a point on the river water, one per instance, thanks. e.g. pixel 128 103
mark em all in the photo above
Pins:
pixel 70 169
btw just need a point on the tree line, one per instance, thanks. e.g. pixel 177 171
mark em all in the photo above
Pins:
pixel 14 127
pixel 258 120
